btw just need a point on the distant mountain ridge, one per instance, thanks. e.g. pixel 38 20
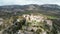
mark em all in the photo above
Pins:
pixel 49 9
pixel 32 6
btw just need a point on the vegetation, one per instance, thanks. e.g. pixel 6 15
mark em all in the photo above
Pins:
pixel 13 20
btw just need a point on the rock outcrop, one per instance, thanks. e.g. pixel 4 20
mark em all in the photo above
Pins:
pixel 33 24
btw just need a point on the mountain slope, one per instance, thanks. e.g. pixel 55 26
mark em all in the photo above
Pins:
pixel 48 9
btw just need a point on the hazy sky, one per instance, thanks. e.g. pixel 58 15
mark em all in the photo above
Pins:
pixel 23 2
